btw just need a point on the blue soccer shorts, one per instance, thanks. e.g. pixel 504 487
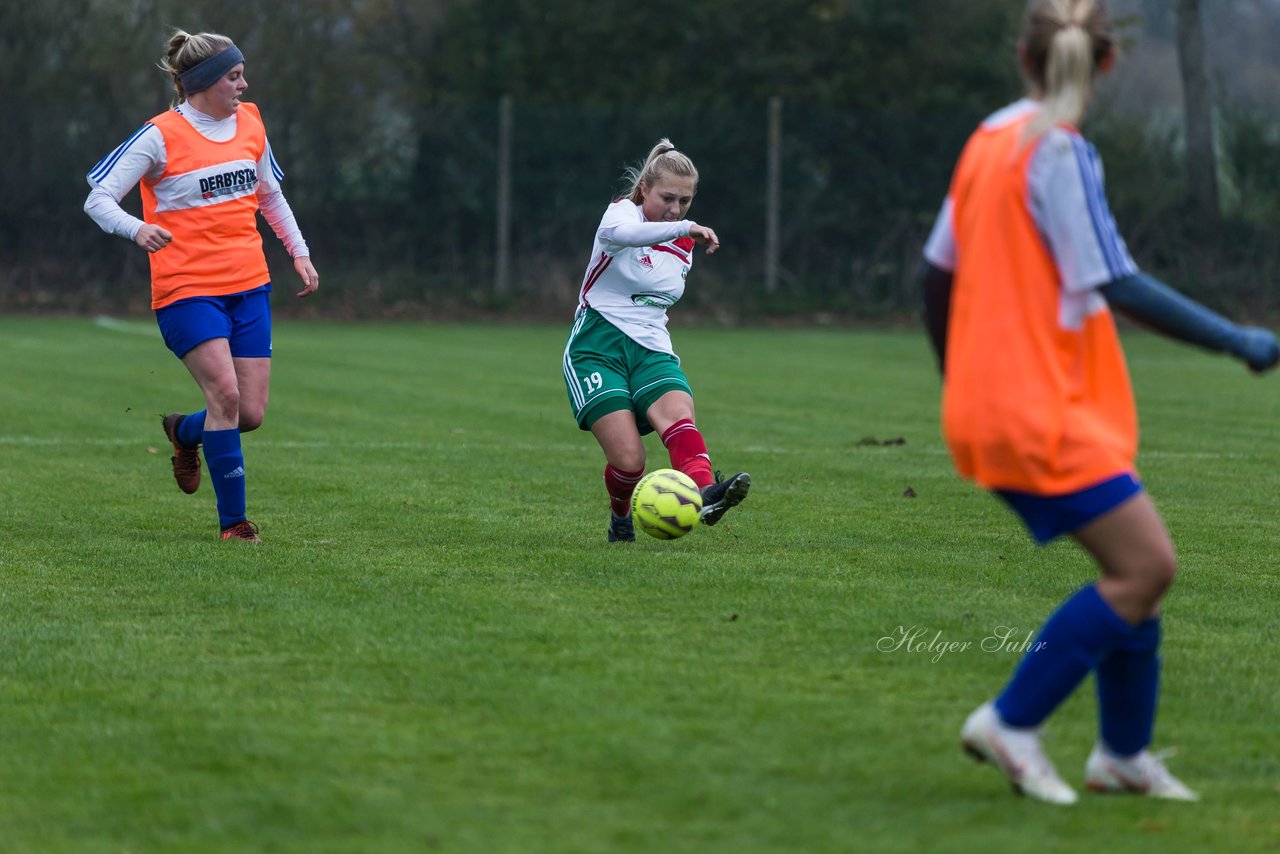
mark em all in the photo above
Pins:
pixel 1049 517
pixel 244 319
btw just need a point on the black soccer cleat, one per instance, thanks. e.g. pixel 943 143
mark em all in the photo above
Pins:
pixel 723 494
pixel 621 529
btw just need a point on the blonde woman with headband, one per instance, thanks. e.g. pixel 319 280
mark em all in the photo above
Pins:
pixel 1022 271
pixel 623 377
pixel 206 170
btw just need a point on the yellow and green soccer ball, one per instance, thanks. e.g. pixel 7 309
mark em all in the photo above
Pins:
pixel 666 504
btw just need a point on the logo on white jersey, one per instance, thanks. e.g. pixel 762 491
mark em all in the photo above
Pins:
pixel 234 182
pixel 211 185
pixel 646 262
pixel 654 300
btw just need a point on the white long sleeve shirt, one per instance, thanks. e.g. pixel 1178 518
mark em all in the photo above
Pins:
pixel 1068 203
pixel 637 271
pixel 143 155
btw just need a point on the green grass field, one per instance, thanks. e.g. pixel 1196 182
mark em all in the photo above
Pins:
pixel 435 648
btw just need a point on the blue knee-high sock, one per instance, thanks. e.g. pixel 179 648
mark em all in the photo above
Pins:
pixel 1070 644
pixel 191 429
pixel 1128 690
pixel 225 459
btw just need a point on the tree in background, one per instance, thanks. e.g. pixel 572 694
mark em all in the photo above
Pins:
pixel 1197 100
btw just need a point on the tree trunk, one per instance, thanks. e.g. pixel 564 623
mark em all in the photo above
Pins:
pixel 1197 101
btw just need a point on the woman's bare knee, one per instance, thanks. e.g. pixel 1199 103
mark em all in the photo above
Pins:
pixel 224 399
pixel 628 460
pixel 620 440
pixel 1161 572
pixel 251 420
pixel 1136 556
pixel 672 407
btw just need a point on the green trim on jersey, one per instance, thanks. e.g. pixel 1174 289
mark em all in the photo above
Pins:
pixel 605 371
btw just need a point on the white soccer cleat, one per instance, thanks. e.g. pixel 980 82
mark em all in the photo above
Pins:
pixel 1018 755
pixel 1142 774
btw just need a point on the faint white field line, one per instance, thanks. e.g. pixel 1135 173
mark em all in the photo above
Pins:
pixel 937 450
pixel 541 447
pixel 129 327
pixel 1196 455
pixel 287 444
pixel 48 441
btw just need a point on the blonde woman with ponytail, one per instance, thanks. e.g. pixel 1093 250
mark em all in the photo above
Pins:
pixel 1022 271
pixel 622 375
pixel 206 170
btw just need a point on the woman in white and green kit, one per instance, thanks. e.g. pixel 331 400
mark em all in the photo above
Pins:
pixel 622 375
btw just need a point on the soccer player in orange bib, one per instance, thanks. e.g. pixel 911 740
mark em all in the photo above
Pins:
pixel 206 170
pixel 1022 270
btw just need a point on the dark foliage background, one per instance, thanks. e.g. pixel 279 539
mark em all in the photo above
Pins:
pixel 384 115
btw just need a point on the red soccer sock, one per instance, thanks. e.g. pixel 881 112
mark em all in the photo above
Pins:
pixel 620 485
pixel 689 452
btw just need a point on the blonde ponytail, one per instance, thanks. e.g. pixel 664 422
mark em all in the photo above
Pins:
pixel 1064 42
pixel 663 160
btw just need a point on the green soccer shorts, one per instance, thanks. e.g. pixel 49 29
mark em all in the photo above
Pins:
pixel 605 371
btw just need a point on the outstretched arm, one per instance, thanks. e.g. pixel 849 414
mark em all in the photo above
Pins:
pixel 1154 304
pixel 640 233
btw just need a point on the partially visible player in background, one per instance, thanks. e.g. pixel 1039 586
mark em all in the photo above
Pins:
pixel 206 169
pixel 623 377
pixel 1021 269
